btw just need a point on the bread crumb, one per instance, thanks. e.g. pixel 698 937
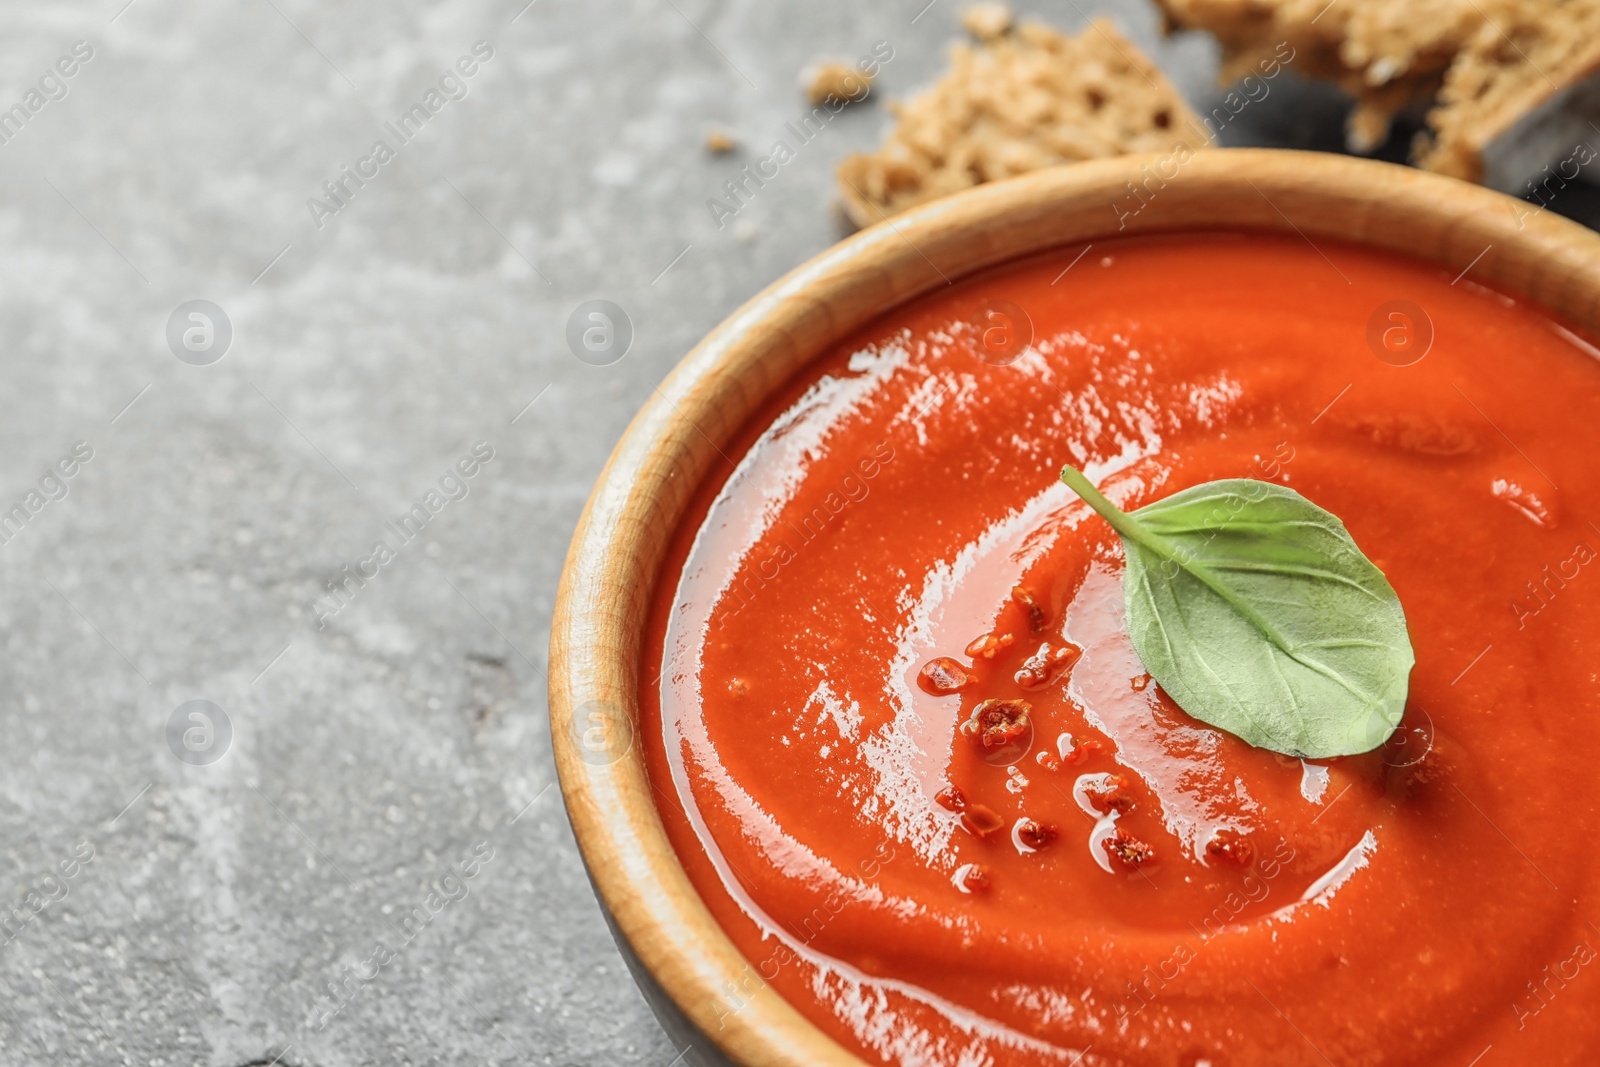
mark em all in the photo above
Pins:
pixel 1021 101
pixel 719 143
pixel 987 21
pixel 837 80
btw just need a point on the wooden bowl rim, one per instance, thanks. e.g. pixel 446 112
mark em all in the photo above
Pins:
pixel 615 558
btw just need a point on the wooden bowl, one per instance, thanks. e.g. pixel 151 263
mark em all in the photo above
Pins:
pixel 614 566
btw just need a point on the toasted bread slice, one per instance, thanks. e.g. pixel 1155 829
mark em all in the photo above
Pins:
pixel 1520 95
pixel 1512 81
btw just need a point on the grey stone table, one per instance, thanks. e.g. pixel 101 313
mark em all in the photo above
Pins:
pixel 193 496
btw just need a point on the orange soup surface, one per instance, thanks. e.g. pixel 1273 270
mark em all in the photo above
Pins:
pixel 1119 884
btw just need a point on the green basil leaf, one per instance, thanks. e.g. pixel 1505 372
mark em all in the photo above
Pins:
pixel 1256 612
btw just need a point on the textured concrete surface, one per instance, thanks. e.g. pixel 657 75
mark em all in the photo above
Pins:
pixel 384 774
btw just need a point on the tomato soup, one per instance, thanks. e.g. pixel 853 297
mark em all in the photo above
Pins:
pixel 1114 882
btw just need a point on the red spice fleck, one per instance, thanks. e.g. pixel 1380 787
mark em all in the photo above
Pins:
pixel 986 646
pixel 1128 851
pixel 1230 846
pixel 1046 665
pixel 998 723
pixel 951 798
pixel 1083 750
pixel 1110 796
pixel 1023 598
pixel 941 676
pixel 1141 683
pixel 1036 834
pixel 981 819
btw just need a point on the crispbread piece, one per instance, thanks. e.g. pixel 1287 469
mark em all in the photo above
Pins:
pixel 1385 54
pixel 1500 71
pixel 1519 94
pixel 1023 100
